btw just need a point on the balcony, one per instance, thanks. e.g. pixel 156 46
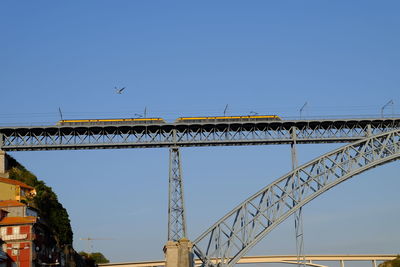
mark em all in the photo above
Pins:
pixel 14 237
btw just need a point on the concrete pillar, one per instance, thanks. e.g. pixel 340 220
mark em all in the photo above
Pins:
pixel 341 263
pixel 3 164
pixel 178 253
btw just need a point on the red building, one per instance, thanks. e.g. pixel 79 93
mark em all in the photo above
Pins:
pixel 26 241
pixel 17 235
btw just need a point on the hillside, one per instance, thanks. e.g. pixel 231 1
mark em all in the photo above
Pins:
pixel 46 201
pixel 392 263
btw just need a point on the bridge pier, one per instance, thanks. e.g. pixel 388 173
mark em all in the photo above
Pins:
pixel 298 217
pixel 178 250
pixel 178 253
pixel 176 203
pixel 3 164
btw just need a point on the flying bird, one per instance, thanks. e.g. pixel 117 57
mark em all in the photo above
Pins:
pixel 119 90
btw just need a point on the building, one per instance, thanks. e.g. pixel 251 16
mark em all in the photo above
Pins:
pixel 26 239
pixel 28 242
pixel 15 190
pixel 17 209
pixel 17 234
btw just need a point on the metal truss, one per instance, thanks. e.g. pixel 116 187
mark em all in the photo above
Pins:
pixel 238 231
pixel 184 135
pixel 298 215
pixel 176 205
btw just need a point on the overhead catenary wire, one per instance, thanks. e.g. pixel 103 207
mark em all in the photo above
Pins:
pixel 171 114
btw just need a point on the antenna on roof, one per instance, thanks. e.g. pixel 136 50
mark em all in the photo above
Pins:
pixel 145 112
pixel 59 110
pixel 302 108
pixel 391 102
pixel 226 108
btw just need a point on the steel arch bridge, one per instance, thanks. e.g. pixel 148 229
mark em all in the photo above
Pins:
pixel 376 141
pixel 242 228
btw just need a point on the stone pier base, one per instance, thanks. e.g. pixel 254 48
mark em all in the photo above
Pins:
pixel 178 253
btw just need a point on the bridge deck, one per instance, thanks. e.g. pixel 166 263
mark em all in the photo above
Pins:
pixel 191 134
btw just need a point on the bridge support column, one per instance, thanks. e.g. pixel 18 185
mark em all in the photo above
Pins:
pixel 176 204
pixel 298 217
pixel 178 253
pixel 3 164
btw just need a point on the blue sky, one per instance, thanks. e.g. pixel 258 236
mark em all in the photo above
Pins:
pixel 180 58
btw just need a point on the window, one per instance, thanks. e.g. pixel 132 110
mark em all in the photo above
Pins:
pixel 15 250
pixel 3 231
pixel 16 230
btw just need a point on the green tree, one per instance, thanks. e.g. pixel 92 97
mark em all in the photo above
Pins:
pixel 84 254
pixel 98 257
pixel 392 263
pixel 46 201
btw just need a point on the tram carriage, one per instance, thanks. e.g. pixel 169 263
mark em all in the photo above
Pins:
pixel 128 121
pixel 147 121
pixel 249 118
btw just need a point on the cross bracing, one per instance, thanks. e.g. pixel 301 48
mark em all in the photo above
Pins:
pixel 191 134
pixel 242 228
pixel 176 204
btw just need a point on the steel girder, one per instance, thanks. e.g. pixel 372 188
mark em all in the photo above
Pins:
pixel 176 204
pixel 238 231
pixel 184 135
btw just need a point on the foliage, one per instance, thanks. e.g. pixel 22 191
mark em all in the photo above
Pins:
pixel 392 263
pixel 99 257
pixel 84 254
pixel 96 256
pixel 46 201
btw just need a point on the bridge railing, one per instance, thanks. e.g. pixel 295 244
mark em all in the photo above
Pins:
pixel 191 134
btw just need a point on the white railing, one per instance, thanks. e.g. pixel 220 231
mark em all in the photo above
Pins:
pixel 14 237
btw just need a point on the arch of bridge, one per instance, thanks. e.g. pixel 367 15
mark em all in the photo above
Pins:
pixel 306 263
pixel 242 228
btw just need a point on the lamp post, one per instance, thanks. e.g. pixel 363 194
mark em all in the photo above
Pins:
pixel 391 102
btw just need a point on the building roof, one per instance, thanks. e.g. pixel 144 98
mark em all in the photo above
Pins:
pixel 1 210
pixel 10 203
pixel 15 182
pixel 18 220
